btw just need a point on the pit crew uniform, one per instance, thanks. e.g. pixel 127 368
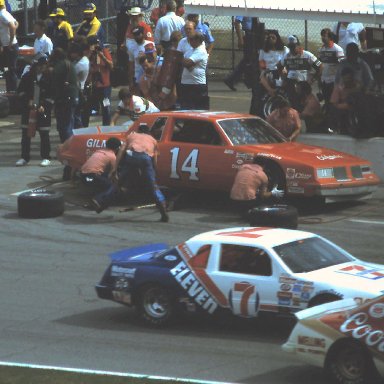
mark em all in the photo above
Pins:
pixel 141 152
pixel 95 172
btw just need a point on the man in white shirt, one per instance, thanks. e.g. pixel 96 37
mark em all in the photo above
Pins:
pixel 350 33
pixel 136 48
pixel 43 44
pixel 193 88
pixel 184 45
pixel 166 25
pixel 8 46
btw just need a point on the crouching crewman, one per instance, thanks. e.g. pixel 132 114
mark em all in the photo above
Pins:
pixel 96 170
pixel 251 185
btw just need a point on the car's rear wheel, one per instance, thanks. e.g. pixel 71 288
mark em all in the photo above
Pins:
pixel 349 362
pixel 156 305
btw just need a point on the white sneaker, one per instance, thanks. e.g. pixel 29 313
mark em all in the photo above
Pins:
pixel 45 163
pixel 21 163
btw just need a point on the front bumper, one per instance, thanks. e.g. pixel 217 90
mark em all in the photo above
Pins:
pixel 104 292
pixel 348 191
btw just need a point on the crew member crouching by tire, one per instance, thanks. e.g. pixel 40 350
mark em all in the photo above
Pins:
pixel 140 154
pixel 251 186
pixel 95 173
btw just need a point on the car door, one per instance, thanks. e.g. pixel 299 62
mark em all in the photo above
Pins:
pixel 248 276
pixel 194 154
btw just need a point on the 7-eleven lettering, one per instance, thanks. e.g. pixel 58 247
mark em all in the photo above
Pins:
pixel 361 271
pixel 244 300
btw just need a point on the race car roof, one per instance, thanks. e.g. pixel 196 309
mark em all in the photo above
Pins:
pixel 263 236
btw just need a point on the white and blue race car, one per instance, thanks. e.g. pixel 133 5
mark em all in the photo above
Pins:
pixel 242 270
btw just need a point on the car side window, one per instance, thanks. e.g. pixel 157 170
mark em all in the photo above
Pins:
pixel 195 132
pixel 157 128
pixel 245 259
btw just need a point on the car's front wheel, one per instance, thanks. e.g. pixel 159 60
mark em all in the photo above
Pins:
pixel 349 363
pixel 156 305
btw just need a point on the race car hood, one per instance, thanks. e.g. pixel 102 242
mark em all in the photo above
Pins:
pixel 143 253
pixel 308 154
pixel 357 275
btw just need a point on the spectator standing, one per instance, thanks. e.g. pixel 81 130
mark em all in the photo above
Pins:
pixel 166 25
pixel 330 55
pixel 132 106
pixel 269 58
pixel 91 25
pixel 95 173
pixel 243 29
pixel 189 30
pixel 140 153
pixel 9 47
pixel 76 54
pixel 101 64
pixel 361 71
pixel 350 33
pixel 286 120
pixel 136 48
pixel 65 93
pixel 193 87
pixel 43 44
pixel 203 29
pixel 62 32
pixel 136 20
pixel 161 10
pixel 35 93
pixel 298 64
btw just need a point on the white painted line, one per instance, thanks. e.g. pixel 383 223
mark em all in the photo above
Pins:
pixel 367 221
pixel 107 373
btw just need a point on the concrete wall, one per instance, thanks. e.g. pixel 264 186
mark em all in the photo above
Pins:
pixel 370 149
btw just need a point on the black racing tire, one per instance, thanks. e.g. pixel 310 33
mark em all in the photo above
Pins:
pixel 276 215
pixel 271 102
pixel 40 203
pixel 4 106
pixel 276 177
pixel 349 362
pixel 156 305
pixel 323 299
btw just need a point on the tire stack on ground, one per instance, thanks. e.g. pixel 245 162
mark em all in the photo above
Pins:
pixel 40 203
pixel 276 215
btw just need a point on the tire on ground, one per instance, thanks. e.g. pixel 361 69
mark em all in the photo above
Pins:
pixel 40 203
pixel 4 106
pixel 276 215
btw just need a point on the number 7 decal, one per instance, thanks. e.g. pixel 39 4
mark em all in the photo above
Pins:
pixel 244 299
pixel 189 165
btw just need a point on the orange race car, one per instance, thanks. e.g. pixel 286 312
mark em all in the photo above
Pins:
pixel 203 150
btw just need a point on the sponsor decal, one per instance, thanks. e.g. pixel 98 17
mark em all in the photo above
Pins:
pixel 363 272
pixel 170 258
pixel 291 183
pixel 229 151
pixel 96 143
pixel 121 284
pixel 284 301
pixel 285 287
pixel 123 297
pixel 244 156
pixel 311 341
pixel 251 233
pixel 296 189
pixel 291 174
pixel 305 296
pixel 117 271
pixel 187 280
pixel 377 310
pixel 287 279
pixel 271 155
pixel 236 166
pixel 329 157
pixel 239 162
pixel 284 294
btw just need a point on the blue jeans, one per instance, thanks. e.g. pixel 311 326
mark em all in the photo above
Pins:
pixel 65 119
pixel 108 189
pixel 143 162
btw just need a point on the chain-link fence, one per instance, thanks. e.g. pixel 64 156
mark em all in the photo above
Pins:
pixel 225 54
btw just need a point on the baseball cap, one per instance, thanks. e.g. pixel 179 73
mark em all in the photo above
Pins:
pixel 138 30
pixel 293 39
pixel 89 8
pixel 39 58
pixel 135 11
pixel 57 12
pixel 149 48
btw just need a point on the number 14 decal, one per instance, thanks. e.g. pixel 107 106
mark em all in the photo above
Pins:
pixel 189 165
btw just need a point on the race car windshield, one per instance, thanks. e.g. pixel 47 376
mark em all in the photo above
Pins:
pixel 310 255
pixel 250 131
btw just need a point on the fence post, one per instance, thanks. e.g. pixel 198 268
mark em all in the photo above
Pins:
pixel 306 34
pixel 233 42
pixel 25 4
